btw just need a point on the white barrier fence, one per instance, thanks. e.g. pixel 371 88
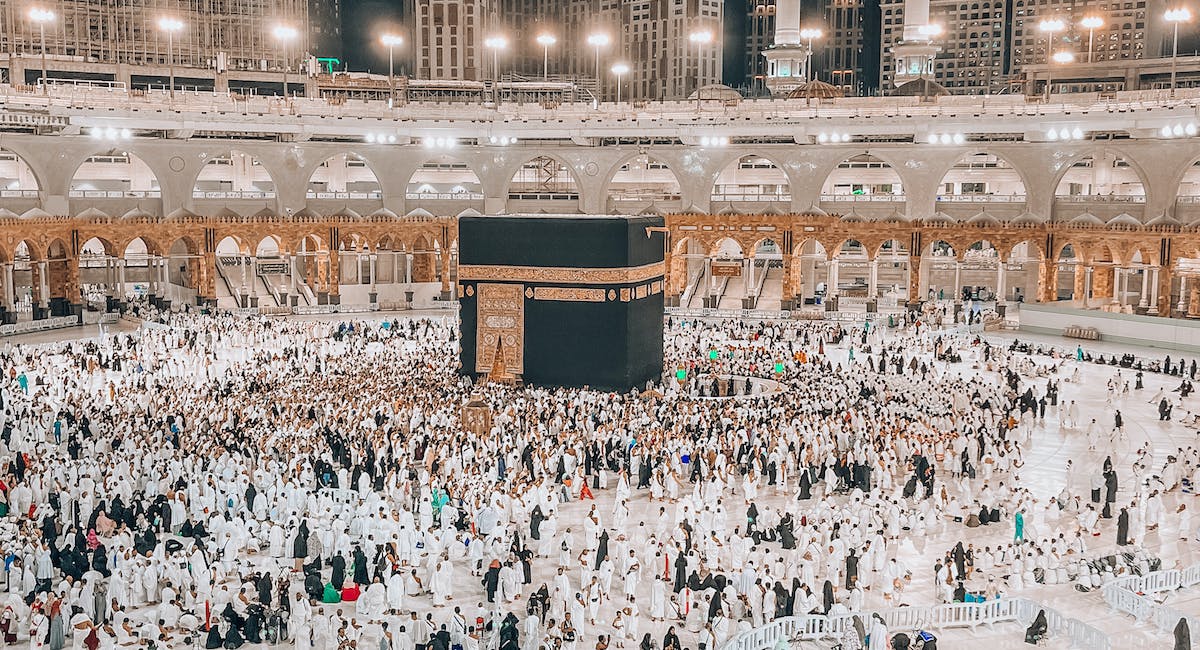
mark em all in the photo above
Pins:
pixel 933 618
pixel 1138 596
pixel 25 327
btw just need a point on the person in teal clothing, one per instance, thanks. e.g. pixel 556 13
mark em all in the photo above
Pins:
pixel 1019 534
pixel 439 499
pixel 23 382
pixel 1079 353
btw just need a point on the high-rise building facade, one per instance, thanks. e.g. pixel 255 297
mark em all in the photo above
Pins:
pixel 846 55
pixel 652 37
pixel 985 44
pixel 233 34
pixel 448 38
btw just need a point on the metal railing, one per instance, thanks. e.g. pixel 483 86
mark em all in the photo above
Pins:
pixel 863 198
pixel 935 617
pixel 25 327
pixel 1099 198
pixel 1135 596
pixel 234 194
pixel 981 198
pixel 113 194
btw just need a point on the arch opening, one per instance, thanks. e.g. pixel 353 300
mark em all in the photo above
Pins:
pixel 982 177
pixel 863 177
pixel 114 174
pixel 751 178
pixel 233 175
pixel 1104 177
pixel 641 182
pixel 344 176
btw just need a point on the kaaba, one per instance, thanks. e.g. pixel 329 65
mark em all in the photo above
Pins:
pixel 562 300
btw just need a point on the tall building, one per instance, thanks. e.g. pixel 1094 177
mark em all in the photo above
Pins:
pixel 984 46
pixel 448 38
pixel 233 34
pixel 650 36
pixel 759 25
pixel 847 54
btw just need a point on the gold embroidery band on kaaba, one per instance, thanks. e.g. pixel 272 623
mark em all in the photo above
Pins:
pixel 563 274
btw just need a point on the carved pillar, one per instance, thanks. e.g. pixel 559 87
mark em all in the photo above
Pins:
pixel 1102 281
pixel 914 278
pixel 873 281
pixel 1144 300
pixel 1194 300
pixel 1079 291
pixel 832 285
pixel 1155 286
pixel 956 294
pixel 1048 281
pixel 334 273
pixel 446 273
pixel 1000 281
pixel 788 291
pixel 1183 294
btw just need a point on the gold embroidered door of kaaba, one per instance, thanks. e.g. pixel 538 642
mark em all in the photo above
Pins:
pixel 500 328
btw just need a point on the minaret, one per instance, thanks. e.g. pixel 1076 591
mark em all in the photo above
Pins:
pixel 913 55
pixel 787 59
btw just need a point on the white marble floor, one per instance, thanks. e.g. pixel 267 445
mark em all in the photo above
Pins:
pixel 1044 473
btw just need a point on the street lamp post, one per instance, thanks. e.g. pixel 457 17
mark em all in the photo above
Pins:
pixel 1176 16
pixel 1091 23
pixel 170 26
pixel 598 41
pixel 619 69
pixel 1050 27
pixel 495 44
pixel 809 35
pixel 391 41
pixel 41 17
pixel 1061 58
pixel 700 38
pixel 285 35
pixel 546 40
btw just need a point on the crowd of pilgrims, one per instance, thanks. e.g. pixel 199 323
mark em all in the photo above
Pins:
pixel 222 480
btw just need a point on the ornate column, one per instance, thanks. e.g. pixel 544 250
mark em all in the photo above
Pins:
pixel 788 293
pixel 44 281
pixel 1118 273
pixel 1194 301
pixel 446 294
pixel 1000 281
pixel 7 291
pixel 873 281
pixel 1048 281
pixel 1144 300
pixel 1154 291
pixel 122 264
pixel 1087 287
pixel 408 264
pixel 831 287
pixel 1079 290
pixel 254 281
pixel 956 295
pixel 8 288
pixel 914 279
pixel 373 292
pixel 1183 294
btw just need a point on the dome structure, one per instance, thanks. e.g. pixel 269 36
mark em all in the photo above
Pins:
pixel 921 88
pixel 715 93
pixel 816 89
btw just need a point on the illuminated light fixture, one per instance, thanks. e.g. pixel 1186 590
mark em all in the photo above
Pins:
pixel 714 141
pixel 1178 130
pixel 833 138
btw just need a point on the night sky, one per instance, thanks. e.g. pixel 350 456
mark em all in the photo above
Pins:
pixel 363 22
